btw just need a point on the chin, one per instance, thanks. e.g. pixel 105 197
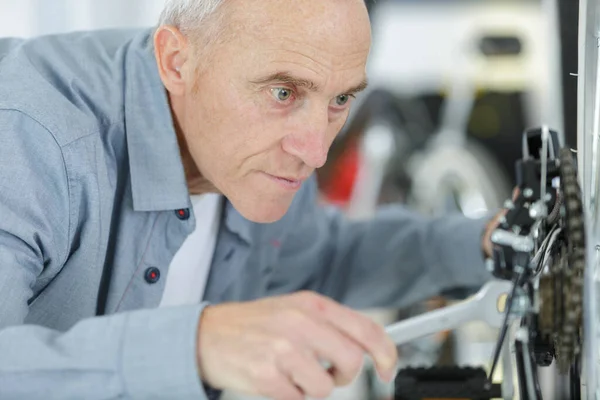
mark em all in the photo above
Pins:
pixel 264 218
pixel 262 211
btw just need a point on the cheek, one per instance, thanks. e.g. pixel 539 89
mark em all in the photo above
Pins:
pixel 257 128
pixel 220 117
pixel 237 139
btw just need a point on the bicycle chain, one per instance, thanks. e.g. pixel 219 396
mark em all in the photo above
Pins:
pixel 561 290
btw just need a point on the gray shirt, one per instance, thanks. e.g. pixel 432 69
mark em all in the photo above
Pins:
pixel 94 205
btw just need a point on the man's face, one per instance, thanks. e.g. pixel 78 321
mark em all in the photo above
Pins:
pixel 261 117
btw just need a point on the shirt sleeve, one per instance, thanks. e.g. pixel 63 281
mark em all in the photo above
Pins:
pixel 146 354
pixel 394 259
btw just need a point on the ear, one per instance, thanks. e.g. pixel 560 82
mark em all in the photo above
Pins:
pixel 171 50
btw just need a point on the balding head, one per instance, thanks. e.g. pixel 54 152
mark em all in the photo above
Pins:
pixel 262 111
pixel 207 20
pixel 188 14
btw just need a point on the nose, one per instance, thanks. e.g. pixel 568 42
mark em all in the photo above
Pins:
pixel 309 142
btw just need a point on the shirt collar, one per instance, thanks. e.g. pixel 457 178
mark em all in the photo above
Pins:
pixel 157 176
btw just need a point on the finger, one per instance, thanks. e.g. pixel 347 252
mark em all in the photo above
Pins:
pixel 515 193
pixel 344 356
pixel 361 329
pixel 305 371
pixel 375 342
pixel 281 388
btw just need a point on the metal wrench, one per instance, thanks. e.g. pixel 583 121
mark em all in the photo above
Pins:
pixel 483 306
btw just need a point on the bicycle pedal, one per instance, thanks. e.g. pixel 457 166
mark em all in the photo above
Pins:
pixel 444 383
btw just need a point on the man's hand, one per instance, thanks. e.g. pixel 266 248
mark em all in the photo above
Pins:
pixel 276 347
pixel 486 244
pixel 489 229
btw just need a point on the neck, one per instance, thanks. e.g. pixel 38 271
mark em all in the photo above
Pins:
pixel 197 184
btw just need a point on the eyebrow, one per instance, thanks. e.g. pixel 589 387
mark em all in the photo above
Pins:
pixel 286 77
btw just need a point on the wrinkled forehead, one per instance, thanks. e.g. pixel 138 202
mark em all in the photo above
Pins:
pixel 324 37
pixel 342 25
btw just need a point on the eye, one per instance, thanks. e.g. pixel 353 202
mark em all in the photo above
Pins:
pixel 342 100
pixel 281 94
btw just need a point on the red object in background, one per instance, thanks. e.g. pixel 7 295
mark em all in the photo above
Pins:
pixel 338 190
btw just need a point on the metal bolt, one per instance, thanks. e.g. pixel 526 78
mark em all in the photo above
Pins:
pixel 520 305
pixel 496 236
pixel 537 210
pixel 533 212
pixel 522 244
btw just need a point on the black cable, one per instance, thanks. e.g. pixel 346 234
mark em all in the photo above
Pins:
pixel 521 375
pixel 536 381
pixel 509 302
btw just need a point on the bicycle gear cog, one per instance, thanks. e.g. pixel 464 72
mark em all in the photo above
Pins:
pixel 568 346
pixel 561 290
pixel 551 297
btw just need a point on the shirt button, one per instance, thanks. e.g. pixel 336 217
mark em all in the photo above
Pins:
pixel 183 214
pixel 152 275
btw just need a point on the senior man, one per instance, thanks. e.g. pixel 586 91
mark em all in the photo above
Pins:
pixel 159 231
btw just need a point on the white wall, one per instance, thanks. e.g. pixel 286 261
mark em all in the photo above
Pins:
pixel 27 18
pixel 419 47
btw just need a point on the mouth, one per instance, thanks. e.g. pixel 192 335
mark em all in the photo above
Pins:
pixel 287 182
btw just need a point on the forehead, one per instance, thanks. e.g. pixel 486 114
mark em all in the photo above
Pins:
pixel 310 16
pixel 321 36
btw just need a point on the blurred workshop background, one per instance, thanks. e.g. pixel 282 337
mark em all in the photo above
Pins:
pixel 453 84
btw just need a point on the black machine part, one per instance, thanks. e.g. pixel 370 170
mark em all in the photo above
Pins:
pixel 538 168
pixel 444 383
pixel 554 331
pixel 542 252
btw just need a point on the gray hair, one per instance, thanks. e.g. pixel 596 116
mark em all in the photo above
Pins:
pixel 188 15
